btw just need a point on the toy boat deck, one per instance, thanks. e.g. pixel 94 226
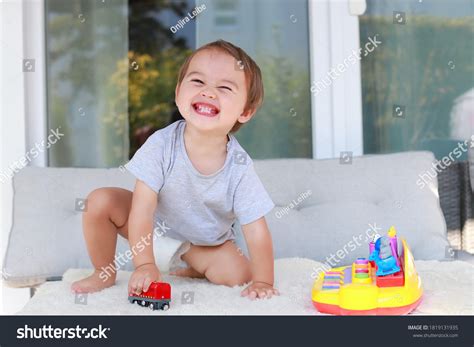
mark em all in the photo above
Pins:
pixel 357 290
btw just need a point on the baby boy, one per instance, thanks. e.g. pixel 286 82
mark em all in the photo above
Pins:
pixel 194 178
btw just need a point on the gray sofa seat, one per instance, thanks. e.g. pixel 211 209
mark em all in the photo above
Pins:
pixel 323 209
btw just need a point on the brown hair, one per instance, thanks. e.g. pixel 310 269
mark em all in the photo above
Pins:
pixel 253 75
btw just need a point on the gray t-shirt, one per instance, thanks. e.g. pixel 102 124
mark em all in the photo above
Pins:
pixel 196 207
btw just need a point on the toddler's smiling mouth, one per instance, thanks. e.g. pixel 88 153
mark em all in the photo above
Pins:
pixel 205 109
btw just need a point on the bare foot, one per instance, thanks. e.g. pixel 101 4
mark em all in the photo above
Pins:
pixel 187 272
pixel 93 283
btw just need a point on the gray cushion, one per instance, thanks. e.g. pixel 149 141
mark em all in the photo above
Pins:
pixel 346 200
pixel 46 237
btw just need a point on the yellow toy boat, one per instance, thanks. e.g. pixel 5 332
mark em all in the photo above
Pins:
pixel 368 286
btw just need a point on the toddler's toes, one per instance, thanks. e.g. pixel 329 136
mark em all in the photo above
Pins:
pixel 92 284
pixel 253 295
pixel 74 288
pixel 79 287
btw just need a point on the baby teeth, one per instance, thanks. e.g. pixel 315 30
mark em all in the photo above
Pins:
pixel 204 109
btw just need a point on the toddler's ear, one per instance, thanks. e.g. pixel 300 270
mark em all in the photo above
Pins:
pixel 246 116
pixel 176 91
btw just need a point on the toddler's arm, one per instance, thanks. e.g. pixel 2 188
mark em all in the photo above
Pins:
pixel 259 244
pixel 140 238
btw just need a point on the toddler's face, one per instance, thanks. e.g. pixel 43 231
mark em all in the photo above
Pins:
pixel 213 93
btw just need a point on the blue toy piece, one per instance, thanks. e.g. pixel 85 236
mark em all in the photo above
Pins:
pixel 383 257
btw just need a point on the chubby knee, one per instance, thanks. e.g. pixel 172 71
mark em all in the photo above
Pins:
pixel 98 202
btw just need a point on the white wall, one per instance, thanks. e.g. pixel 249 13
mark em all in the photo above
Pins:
pixel 12 128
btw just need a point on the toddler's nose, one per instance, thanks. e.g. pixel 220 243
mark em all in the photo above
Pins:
pixel 208 94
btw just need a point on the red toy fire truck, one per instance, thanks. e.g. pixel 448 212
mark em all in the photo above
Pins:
pixel 157 297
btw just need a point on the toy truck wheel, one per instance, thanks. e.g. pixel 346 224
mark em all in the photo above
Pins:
pixel 143 303
pixel 152 306
pixel 165 307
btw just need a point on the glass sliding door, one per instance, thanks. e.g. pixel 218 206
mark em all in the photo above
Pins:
pixel 418 85
pixel 87 80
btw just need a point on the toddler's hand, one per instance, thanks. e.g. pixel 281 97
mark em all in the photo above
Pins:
pixel 142 278
pixel 259 290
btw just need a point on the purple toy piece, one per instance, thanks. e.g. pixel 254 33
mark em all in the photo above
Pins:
pixel 371 247
pixel 363 261
pixel 394 247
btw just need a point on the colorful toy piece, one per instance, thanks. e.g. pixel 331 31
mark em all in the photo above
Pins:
pixel 385 256
pixel 384 284
pixel 157 297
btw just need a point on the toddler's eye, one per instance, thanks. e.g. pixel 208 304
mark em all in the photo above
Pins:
pixel 197 81
pixel 224 87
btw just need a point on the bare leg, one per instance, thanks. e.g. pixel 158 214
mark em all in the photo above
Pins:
pixel 105 218
pixel 223 264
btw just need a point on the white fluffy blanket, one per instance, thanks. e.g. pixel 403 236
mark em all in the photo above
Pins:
pixel 448 290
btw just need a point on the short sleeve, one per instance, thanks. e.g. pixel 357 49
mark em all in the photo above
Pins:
pixel 147 163
pixel 251 200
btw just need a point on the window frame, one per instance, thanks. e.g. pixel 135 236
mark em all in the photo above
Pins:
pixel 336 112
pixel 36 121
